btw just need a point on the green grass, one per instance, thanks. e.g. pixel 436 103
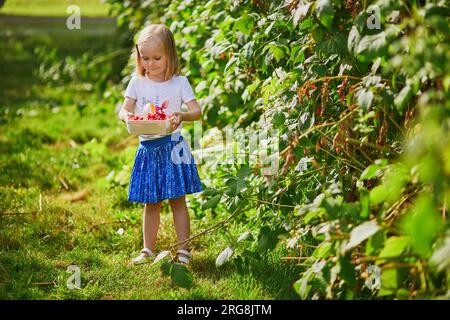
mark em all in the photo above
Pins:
pixel 58 143
pixel 38 246
pixel 54 8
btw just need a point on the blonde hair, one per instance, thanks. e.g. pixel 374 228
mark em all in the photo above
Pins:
pixel 164 36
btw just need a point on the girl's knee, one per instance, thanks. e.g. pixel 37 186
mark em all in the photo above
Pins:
pixel 176 202
pixel 153 206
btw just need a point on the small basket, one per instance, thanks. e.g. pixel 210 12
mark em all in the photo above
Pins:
pixel 158 127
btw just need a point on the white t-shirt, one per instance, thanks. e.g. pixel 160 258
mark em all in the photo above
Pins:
pixel 174 92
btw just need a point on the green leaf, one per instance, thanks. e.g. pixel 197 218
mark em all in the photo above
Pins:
pixel 315 214
pixel 166 267
pixel 324 12
pixel 208 65
pixel 209 192
pixel 332 206
pixel 440 259
pixel 422 224
pixel 394 180
pixel 269 28
pixel 224 256
pixel 212 203
pixel 180 275
pixel 361 233
pixel 246 236
pixel 267 240
pixel 244 172
pixel 161 256
pixel 351 209
pixel 370 172
pixel 306 24
pixel 323 250
pixel 298 54
pixel 301 12
pixel 277 52
pixel 378 194
pixel 248 49
pixel 364 98
pixel 240 265
pixel 402 294
pixel 244 24
pixel 230 62
pixel 279 119
pixel 429 168
pixel 375 243
pixel 364 200
pixel 403 97
pixel 446 83
pixel 394 247
pixel 232 189
pixel 389 282
pixel 302 287
pixel 353 40
pixel 371 46
pixel 347 272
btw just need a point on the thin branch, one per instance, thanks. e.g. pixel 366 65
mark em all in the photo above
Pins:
pixel 40 202
pixel 352 158
pixel 96 226
pixel 326 124
pixel 399 265
pixel 274 204
pixel 444 208
pixel 376 258
pixel 332 78
pixel 365 154
pixel 395 123
pixel 64 184
pixel 372 145
pixel 294 258
pixel 48 283
pixel 392 210
pixel 238 210
pixel 107 57
pixel 5 214
pixel 344 161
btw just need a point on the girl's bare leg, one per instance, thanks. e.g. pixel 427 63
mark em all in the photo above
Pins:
pixel 181 219
pixel 151 224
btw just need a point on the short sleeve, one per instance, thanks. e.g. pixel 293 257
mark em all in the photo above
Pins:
pixel 187 94
pixel 131 91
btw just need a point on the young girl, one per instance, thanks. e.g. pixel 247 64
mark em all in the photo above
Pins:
pixel 164 167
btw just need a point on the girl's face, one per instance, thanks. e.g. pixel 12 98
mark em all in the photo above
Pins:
pixel 153 60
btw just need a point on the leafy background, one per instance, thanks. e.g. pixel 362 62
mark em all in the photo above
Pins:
pixel 364 151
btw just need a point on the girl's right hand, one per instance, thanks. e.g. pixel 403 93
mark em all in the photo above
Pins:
pixel 127 108
pixel 126 116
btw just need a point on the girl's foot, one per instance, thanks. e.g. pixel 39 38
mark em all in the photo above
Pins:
pixel 184 256
pixel 145 256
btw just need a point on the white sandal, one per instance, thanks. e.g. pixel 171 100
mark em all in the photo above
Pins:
pixel 184 256
pixel 145 256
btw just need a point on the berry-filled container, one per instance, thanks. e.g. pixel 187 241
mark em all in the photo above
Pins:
pixel 142 124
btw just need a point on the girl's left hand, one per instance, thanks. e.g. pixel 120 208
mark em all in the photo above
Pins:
pixel 175 120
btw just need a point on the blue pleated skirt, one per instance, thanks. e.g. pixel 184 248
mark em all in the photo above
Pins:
pixel 164 168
